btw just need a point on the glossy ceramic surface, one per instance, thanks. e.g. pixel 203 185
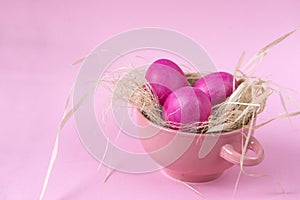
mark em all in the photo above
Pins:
pixel 221 151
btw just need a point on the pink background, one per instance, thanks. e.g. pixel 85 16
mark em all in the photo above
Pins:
pixel 39 40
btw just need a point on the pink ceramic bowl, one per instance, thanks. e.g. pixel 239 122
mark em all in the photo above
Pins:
pixel 178 152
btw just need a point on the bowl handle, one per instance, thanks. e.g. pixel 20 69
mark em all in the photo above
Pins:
pixel 231 155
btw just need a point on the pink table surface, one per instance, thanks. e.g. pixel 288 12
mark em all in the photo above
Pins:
pixel 40 39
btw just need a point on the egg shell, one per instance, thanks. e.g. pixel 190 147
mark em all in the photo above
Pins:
pixel 169 63
pixel 165 76
pixel 187 105
pixel 217 86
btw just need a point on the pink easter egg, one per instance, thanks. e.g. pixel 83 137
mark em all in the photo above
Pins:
pixel 217 86
pixel 187 105
pixel 165 76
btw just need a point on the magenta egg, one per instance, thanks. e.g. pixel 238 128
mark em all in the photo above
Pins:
pixel 165 76
pixel 169 63
pixel 187 105
pixel 217 86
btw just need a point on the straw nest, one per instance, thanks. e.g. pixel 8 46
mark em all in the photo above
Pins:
pixel 247 100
